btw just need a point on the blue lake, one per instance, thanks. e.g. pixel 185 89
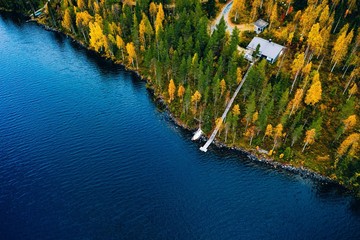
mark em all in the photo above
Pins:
pixel 85 153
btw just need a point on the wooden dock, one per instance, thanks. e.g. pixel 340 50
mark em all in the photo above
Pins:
pixel 223 116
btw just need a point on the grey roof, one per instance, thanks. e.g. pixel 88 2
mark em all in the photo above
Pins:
pixel 261 23
pixel 267 48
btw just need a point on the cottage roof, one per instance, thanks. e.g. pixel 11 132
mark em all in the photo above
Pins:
pixel 267 48
pixel 261 23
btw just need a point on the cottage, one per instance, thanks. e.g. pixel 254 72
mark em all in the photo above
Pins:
pixel 260 25
pixel 267 49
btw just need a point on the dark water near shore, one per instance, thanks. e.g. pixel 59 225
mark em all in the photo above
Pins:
pixel 86 154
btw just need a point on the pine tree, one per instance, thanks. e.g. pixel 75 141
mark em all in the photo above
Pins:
pixel 296 134
pixel 250 109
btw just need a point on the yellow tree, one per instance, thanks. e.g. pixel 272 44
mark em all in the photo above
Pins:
pixel 96 36
pixel 255 117
pixel 67 22
pixel 350 122
pixel 82 22
pixel 237 8
pixel 350 145
pixel 153 10
pixel 142 30
pixel 290 38
pixel 238 75
pixel 268 131
pixel 195 99
pixel 308 19
pixel 160 16
pixel 255 5
pixel 305 72
pixel 219 124
pixel 273 16
pixel 181 92
pixel 294 104
pixel 315 40
pixel 277 134
pixel 250 132
pixel 130 48
pixel 341 46
pixel 324 16
pixel 81 4
pixel 171 90
pixel 296 67
pixel 314 93
pixel 309 138
pixel 353 90
pixel 235 116
pixel 222 86
pixel 120 44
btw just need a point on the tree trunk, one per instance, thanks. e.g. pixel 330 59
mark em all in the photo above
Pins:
pixel 293 84
pixel 304 146
pixel 332 69
pixel 348 84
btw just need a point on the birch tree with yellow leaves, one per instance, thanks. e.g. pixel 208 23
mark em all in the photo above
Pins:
pixel 96 36
pixel 278 132
pixel 314 93
pixel 309 138
pixel 171 90
pixel 296 67
pixel 130 48
pixel 195 100
pixel 350 146
pixel 237 8
pixel 67 21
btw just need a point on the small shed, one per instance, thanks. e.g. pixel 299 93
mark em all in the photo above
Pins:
pixel 260 25
pixel 267 49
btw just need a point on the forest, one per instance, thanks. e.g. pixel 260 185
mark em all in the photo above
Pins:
pixel 301 110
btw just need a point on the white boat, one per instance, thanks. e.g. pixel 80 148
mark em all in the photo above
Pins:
pixel 197 135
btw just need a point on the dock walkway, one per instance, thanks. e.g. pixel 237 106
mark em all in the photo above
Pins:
pixel 223 116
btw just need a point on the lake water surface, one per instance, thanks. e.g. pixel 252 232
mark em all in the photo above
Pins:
pixel 86 154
